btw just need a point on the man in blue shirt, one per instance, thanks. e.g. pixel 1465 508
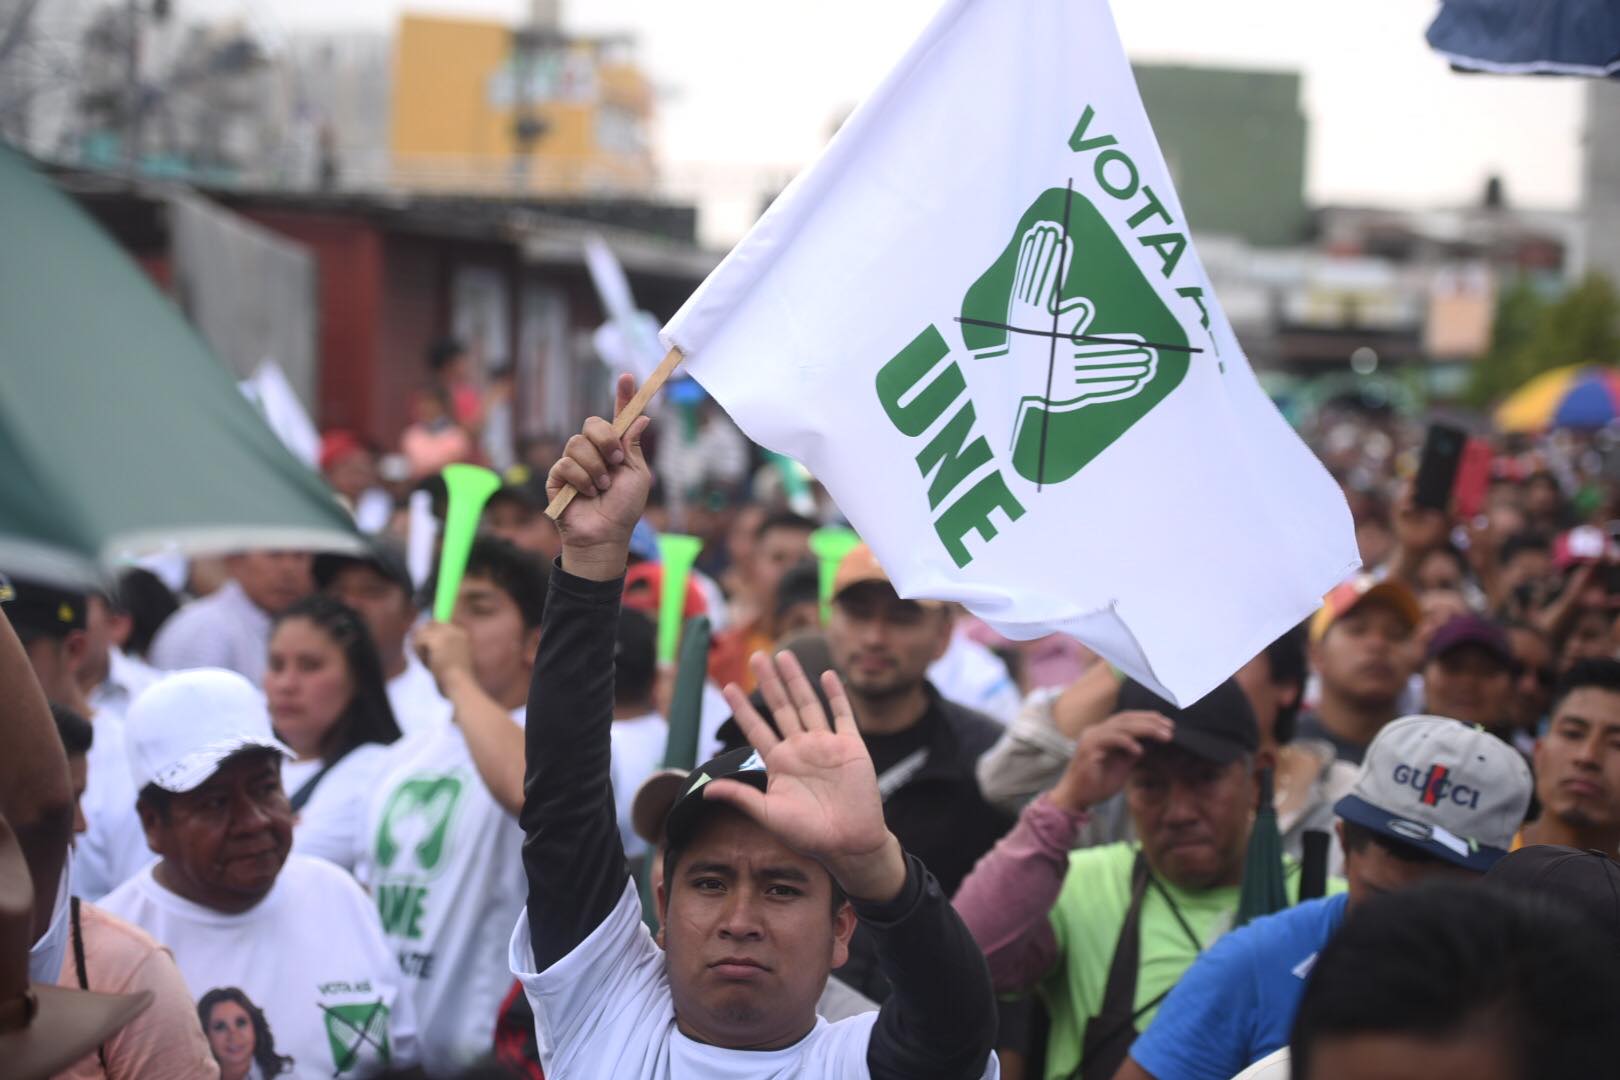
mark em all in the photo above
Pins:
pixel 1434 798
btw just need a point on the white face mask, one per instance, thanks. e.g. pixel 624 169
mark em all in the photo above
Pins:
pixel 45 958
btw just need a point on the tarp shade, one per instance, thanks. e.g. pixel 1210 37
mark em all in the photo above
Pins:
pixel 120 433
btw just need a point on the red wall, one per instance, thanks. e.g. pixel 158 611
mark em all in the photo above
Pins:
pixel 412 320
pixel 349 282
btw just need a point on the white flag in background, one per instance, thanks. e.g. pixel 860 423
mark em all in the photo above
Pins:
pixel 979 320
pixel 628 341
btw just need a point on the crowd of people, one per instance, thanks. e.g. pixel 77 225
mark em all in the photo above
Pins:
pixel 334 837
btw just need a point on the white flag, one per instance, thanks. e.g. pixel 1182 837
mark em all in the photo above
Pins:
pixel 637 352
pixel 979 320
pixel 628 341
pixel 269 389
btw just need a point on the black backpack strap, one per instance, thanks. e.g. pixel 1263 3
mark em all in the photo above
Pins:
pixel 82 970
pixel 302 795
pixel 1107 1037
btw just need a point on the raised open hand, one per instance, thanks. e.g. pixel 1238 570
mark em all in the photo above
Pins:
pixel 612 478
pixel 821 794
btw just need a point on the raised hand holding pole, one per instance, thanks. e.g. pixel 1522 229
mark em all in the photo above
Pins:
pixel 624 418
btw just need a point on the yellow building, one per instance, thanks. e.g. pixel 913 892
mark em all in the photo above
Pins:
pixel 460 87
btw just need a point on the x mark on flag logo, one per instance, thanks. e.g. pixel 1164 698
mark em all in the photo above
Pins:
pixel 365 1023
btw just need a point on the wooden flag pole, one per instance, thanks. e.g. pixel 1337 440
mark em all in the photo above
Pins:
pixel 621 423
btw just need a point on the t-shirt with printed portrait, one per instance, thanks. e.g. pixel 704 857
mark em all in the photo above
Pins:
pixel 309 959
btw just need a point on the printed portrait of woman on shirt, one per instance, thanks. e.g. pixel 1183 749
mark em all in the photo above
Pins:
pixel 239 1036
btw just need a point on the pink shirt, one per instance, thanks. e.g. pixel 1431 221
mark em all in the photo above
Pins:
pixel 428 450
pixel 164 1041
pixel 1007 899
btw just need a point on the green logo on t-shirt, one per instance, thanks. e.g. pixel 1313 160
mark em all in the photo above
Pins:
pixel 419 809
pixel 412 843
pixel 351 1028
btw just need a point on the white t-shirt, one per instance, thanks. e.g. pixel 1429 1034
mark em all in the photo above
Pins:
pixel 415 698
pixel 1277 1065
pixel 713 712
pixel 113 847
pixel 310 955
pixel 638 752
pixel 604 1010
pixel 126 678
pixel 223 629
pixel 444 862
pixel 332 824
pixel 52 945
pixel 971 674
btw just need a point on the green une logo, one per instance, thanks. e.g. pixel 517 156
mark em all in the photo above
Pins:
pixel 417 818
pixel 1065 278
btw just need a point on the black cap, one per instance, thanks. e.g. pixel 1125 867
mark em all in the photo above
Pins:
pixel 1588 881
pixel 380 556
pixel 1219 727
pixel 44 609
pixel 743 764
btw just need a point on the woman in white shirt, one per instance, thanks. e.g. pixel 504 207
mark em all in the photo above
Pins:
pixel 329 702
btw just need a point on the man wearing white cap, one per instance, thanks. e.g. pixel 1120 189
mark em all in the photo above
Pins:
pixel 293 936
pixel 1435 798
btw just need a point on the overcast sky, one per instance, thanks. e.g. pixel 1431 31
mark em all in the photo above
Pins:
pixel 752 86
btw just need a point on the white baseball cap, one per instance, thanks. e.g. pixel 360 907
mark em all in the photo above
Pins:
pixel 1453 791
pixel 182 728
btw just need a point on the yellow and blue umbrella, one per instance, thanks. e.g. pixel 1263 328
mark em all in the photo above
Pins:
pixel 1578 396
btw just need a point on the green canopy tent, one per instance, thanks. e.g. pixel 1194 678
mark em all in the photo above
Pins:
pixel 120 433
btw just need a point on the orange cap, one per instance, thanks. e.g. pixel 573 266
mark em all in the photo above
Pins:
pixel 1350 594
pixel 861 567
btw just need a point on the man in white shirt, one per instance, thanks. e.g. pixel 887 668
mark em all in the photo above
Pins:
pixel 378 586
pixel 244 918
pixel 773 855
pixel 230 627
pixel 441 857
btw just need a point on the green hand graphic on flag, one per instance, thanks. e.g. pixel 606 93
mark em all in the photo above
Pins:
pixel 1083 275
